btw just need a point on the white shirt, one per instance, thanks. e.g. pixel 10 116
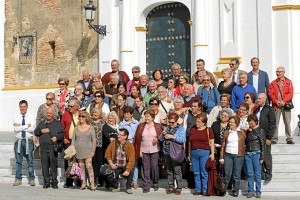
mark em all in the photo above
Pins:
pixel 232 145
pixel 255 82
pixel 29 119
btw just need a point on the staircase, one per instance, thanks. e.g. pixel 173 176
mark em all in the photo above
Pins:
pixel 285 182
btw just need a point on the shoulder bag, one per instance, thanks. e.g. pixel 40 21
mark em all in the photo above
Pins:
pixel 176 151
pixel 288 105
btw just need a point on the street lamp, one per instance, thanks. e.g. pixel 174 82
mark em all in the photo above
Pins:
pixel 90 15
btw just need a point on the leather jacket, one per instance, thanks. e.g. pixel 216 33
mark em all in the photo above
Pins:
pixel 241 146
pixel 255 141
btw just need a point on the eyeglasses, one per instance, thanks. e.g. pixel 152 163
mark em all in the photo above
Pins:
pixel 120 134
pixel 69 106
pixel 231 64
pixel 61 84
pixel 206 80
pixel 98 96
pixel 134 72
pixel 243 110
pixel 246 97
pixel 153 104
pixel 279 71
pixel 172 122
pixel 50 99
pixel 82 116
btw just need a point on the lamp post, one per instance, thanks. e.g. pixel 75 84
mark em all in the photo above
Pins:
pixel 90 15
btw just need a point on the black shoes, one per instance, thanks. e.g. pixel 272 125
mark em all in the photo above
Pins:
pixel 66 186
pixel 290 142
pixel 45 186
pixel 54 186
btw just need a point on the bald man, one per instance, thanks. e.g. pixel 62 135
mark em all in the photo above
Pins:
pixel 267 121
pixel 189 96
pixel 86 82
pixel 50 133
pixel 280 92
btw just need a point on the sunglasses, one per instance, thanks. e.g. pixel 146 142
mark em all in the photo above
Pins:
pixel 82 116
pixel 172 122
pixel 61 84
pixel 206 80
pixel 98 96
pixel 246 97
pixel 231 64
pixel 153 104
pixel 50 99
pixel 135 72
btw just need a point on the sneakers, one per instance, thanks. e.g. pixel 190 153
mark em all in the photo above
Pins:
pixel 31 183
pixel 17 182
pixel 116 189
pixel 249 195
pixel 129 191
pixel 135 185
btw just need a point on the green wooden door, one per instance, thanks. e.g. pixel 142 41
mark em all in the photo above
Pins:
pixel 168 38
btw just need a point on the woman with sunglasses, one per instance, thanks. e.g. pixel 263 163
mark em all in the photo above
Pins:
pixel 233 153
pixel 63 94
pixel 173 132
pixel 135 78
pixel 99 103
pixel 85 145
pixel 50 103
pixel 250 100
pixel 160 116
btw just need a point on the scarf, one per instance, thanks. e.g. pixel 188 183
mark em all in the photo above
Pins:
pixel 166 143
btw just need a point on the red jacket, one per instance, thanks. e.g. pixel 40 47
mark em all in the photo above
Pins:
pixel 66 121
pixel 287 93
pixel 106 78
pixel 138 137
pixel 212 178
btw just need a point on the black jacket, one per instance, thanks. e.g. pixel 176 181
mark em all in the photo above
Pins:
pixel 255 141
pixel 56 130
pixel 267 120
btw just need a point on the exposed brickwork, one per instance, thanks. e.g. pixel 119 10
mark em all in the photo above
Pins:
pixel 60 47
pixel 52 4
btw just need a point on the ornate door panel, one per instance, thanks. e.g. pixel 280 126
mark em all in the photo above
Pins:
pixel 168 38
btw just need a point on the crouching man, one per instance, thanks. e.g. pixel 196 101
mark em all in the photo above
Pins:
pixel 120 155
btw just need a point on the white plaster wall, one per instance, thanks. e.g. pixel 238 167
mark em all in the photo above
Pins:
pixel 2 21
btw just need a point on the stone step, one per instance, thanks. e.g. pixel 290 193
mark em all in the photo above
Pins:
pixel 286 158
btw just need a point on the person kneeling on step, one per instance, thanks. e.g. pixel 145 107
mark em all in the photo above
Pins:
pixel 120 155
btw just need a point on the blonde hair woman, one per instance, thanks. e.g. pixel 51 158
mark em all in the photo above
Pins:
pixel 227 84
pixel 85 144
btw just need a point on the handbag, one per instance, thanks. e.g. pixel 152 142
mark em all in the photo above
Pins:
pixel 221 180
pixel 106 170
pixel 73 170
pixel 289 104
pixel 58 146
pixel 176 151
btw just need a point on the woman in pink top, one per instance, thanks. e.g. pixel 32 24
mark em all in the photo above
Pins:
pixel 147 147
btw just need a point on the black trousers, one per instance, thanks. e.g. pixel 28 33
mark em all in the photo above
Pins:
pixel 97 161
pixel 119 171
pixel 267 165
pixel 49 160
pixel 69 181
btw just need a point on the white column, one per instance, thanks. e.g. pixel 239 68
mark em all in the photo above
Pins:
pixel 126 51
pixel 2 23
pixel 200 30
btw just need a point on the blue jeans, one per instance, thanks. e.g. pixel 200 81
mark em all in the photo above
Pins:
pixel 233 165
pixel 199 158
pixel 29 158
pixel 254 171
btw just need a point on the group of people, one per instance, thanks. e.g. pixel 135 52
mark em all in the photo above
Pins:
pixel 125 122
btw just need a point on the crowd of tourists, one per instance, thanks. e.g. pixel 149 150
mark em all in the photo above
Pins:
pixel 140 127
